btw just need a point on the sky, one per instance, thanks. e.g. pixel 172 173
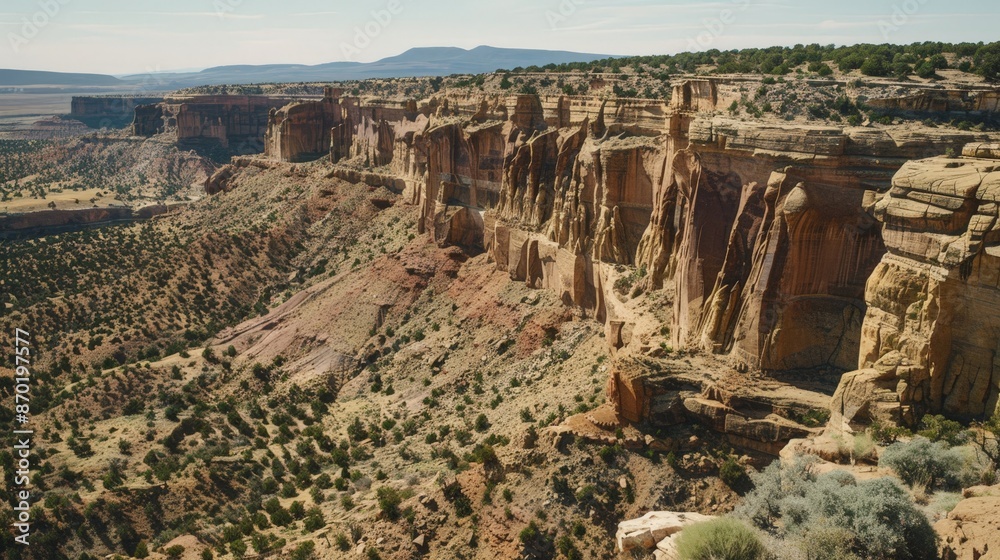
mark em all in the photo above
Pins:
pixel 145 36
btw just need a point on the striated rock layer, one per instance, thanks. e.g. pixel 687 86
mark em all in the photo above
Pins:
pixel 232 121
pixel 765 234
pixel 931 334
pixel 107 111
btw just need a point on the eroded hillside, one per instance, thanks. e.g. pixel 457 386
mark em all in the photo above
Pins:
pixel 495 326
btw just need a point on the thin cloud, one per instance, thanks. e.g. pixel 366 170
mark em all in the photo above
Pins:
pixel 217 14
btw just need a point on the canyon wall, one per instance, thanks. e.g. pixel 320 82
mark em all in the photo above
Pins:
pixel 943 101
pixel 764 235
pixel 107 111
pixel 48 222
pixel 232 121
pixel 930 341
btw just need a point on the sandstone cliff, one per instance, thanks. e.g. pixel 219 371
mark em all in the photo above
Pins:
pixel 107 111
pixel 763 233
pixel 930 335
pixel 232 121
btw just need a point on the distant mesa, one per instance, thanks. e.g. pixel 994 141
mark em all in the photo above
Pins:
pixel 425 61
pixel 12 78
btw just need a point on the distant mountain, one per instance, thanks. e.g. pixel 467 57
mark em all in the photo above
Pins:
pixel 36 78
pixel 427 61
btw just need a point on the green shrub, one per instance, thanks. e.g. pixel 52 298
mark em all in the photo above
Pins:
pixel 726 538
pixel 388 502
pixel 281 517
pixel 341 542
pixel 733 473
pixel 921 462
pixel 304 551
pixel 828 543
pixel 314 520
pixel 454 494
pixel 482 423
pixel 878 515
pixel 938 428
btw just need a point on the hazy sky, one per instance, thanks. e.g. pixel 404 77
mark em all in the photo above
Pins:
pixel 136 36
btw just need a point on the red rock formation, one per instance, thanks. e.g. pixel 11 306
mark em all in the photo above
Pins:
pixel 931 332
pixel 942 101
pixel 238 122
pixel 302 130
pixel 147 120
pixel 107 111
pixel 766 232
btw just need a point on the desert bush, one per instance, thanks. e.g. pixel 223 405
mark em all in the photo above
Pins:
pixel 938 428
pixel 732 473
pixel 341 542
pixel 726 537
pixel 921 462
pixel 454 494
pixel 388 502
pixel 985 439
pixel 863 448
pixel 281 517
pixel 304 551
pixel 878 516
pixel 315 520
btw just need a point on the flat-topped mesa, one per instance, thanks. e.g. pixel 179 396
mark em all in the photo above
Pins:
pixel 932 328
pixel 233 121
pixel 107 111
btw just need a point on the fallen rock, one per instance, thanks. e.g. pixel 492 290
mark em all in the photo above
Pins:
pixel 646 531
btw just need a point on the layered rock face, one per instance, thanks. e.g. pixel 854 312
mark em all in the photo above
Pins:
pixel 931 334
pixel 767 232
pixel 107 111
pixel 943 101
pixel 147 120
pixel 233 121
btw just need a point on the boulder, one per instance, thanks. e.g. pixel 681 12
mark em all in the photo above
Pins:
pixel 648 530
pixel 970 531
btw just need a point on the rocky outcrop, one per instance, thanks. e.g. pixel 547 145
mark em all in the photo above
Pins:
pixel 767 232
pixel 147 120
pixel 235 122
pixel 943 101
pixel 49 222
pixel 931 334
pixel 302 130
pixel 645 532
pixel 107 111
pixel 767 237
pixel 222 179
pixel 970 531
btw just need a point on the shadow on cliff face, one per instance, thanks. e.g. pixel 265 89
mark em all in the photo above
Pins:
pixel 219 153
